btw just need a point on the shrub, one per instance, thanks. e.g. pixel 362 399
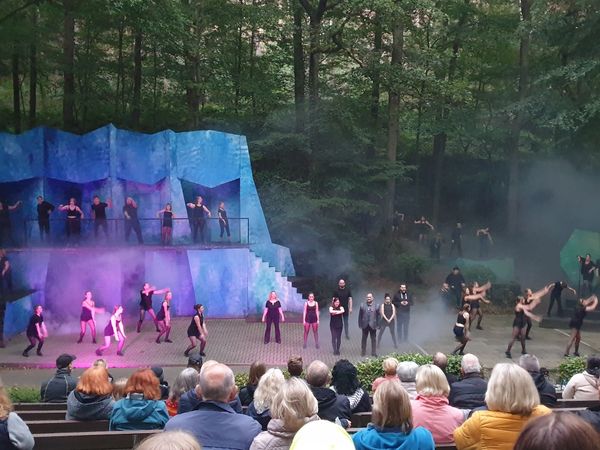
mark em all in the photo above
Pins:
pixel 407 267
pixel 24 394
pixel 241 379
pixel 569 367
pixel 479 273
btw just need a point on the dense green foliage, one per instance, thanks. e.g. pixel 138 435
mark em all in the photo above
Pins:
pixel 24 394
pixel 570 366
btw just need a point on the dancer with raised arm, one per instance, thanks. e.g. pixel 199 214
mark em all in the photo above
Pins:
pixel 310 319
pixel 197 330
pixel 336 324
pixel 99 215
pixel 583 307
pixel 130 212
pixel 223 221
pixel 146 304
pixel 199 213
pixel 556 296
pixel 36 331
pixel 423 229
pixel 272 315
pixel 474 295
pixel 485 241
pixel 461 329
pixel 588 269
pixel 74 217
pixel 164 318
pixel 166 234
pixel 44 209
pixel 387 312
pixel 534 298
pixel 114 328
pixel 522 310
pixel 88 317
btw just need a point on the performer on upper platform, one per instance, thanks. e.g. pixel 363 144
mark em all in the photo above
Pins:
pixel 5 228
pixel 199 213
pixel 114 328
pixel 88 316
pixel 99 215
pixel 197 330
pixel 336 324
pixel 74 216
pixel 456 240
pixel 423 229
pixel 522 310
pixel 6 284
pixel 555 296
pixel 485 241
pixel 272 315
pixel 44 209
pixel 166 235
pixel 146 304
pixel 310 319
pixel 36 331
pixel 223 221
pixel 164 318
pixel 130 212
pixel 588 269
pixel 583 307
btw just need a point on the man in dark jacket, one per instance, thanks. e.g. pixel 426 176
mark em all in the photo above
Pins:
pixel 58 388
pixel 441 360
pixel 367 322
pixel 469 392
pixel 403 300
pixel 546 390
pixel 331 405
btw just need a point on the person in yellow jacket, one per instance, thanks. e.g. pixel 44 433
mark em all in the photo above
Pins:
pixel 512 399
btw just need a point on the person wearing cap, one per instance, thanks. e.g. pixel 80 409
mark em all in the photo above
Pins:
pixel 58 388
pixel 164 386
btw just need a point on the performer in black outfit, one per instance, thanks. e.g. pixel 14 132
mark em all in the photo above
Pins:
pixel 99 215
pixel 534 298
pixel 114 328
pixel 130 212
pixel 336 324
pixel 5 228
pixel 197 330
pixel 555 296
pixel 474 295
pixel 345 296
pixel 146 304
pixel 456 242
pixel 163 318
pixel 272 315
pixel 435 247
pixel 44 209
pixel 199 213
pixel 583 307
pixel 461 329
pixel 588 268
pixel 223 220
pixel 402 301
pixel 88 316
pixel 36 330
pixel 423 229
pixel 166 235
pixel 455 282
pixel 74 216
pixel 6 284
pixel 387 313
pixel 310 319
pixel 485 240
pixel 522 310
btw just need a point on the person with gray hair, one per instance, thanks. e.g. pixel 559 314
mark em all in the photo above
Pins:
pixel 546 390
pixel 214 423
pixel 441 360
pixel 469 392
pixel 332 406
pixel 407 372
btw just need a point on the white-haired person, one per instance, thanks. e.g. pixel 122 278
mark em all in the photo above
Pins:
pixel 292 407
pixel 390 365
pixel 391 425
pixel 407 372
pixel 170 440
pixel 469 392
pixel 268 386
pixel 322 435
pixel 512 399
pixel 431 409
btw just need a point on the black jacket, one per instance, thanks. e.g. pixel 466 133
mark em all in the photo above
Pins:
pixel 332 405
pixel 247 394
pixel 546 390
pixel 592 416
pixel 58 388
pixel 468 393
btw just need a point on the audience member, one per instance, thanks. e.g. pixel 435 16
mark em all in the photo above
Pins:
pixel 407 372
pixel 331 405
pixel 142 408
pixel 214 423
pixel 390 365
pixel 92 398
pixel 184 382
pixel 164 386
pixel 195 362
pixel 391 425
pixel 257 370
pixel 322 435
pixel 431 409
pixel 344 381
pixel 292 407
pixel 441 360
pixel 546 390
pixel 14 432
pixel 469 392
pixel 295 366
pixel 585 385
pixel 267 387
pixel 101 362
pixel 558 431
pixel 119 388
pixel 512 400
pixel 170 440
pixel 57 388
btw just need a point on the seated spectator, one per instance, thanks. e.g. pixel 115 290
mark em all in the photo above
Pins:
pixel 214 423
pixel 441 360
pixel 184 382
pixel 512 400
pixel 585 385
pixel 389 373
pixel 332 406
pixel 142 408
pixel 119 388
pixel 431 409
pixel 469 392
pixel 322 435
pixel 344 381
pixel 546 390
pixel 558 431
pixel 391 425
pixel 14 432
pixel 591 415
pixel 268 386
pixel 195 362
pixel 92 398
pixel 57 388
pixel 257 370
pixel 294 366
pixel 101 362
pixel 164 386
pixel 170 440
pixel 407 372
pixel 293 407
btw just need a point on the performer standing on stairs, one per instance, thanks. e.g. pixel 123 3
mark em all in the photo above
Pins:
pixel 146 304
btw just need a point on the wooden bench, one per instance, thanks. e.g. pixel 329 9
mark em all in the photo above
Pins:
pixel 562 403
pixel 42 415
pixel 39 407
pixel 92 440
pixel 66 426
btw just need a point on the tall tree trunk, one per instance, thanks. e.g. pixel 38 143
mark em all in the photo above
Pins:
pixel 136 106
pixel 33 71
pixel 238 60
pixel 16 84
pixel 299 70
pixel 252 62
pixel 154 84
pixel 69 65
pixel 314 61
pixel 120 91
pixel 376 76
pixel 517 123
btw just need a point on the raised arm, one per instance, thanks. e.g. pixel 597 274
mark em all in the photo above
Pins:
pixel 539 294
pixel 191 205
pixel 161 291
pixel 593 305
pixel 15 206
pixel 6 267
pixel 482 288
